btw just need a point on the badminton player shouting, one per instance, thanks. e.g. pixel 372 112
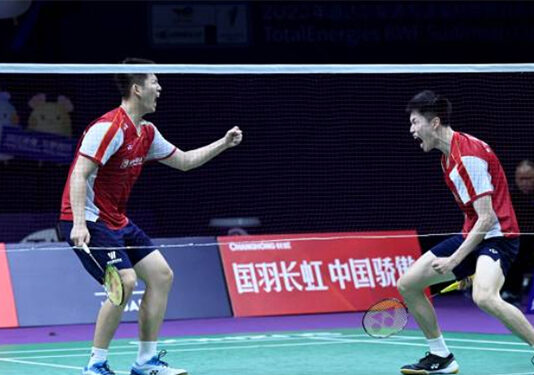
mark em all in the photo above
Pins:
pixel 109 159
pixel 489 242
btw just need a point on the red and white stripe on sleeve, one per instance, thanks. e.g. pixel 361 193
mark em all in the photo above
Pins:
pixel 101 141
pixel 471 178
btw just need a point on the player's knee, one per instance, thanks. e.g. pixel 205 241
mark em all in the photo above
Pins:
pixel 163 278
pixel 128 282
pixel 404 286
pixel 410 286
pixel 167 276
pixel 485 300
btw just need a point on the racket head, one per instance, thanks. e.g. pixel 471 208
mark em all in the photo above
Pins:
pixel 385 318
pixel 113 285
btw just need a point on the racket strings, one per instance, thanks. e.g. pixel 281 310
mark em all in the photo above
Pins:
pixel 385 318
pixel 113 285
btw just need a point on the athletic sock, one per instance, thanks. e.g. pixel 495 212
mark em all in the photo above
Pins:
pixel 97 355
pixel 147 350
pixel 438 346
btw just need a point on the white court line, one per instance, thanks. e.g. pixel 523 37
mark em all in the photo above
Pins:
pixel 420 338
pixel 388 342
pixel 42 364
pixel 126 372
pixel 327 341
pixel 185 342
pixel 52 365
pixel 324 341
pixel 447 339
pixel 262 339
pixel 256 338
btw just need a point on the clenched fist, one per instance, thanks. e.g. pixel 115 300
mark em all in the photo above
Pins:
pixel 233 137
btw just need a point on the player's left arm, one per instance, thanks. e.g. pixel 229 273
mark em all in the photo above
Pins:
pixel 186 160
pixel 485 221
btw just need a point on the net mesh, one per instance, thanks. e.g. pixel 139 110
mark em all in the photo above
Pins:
pixel 321 152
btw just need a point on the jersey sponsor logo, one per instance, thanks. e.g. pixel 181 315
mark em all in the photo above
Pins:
pixel 127 163
pixel 113 256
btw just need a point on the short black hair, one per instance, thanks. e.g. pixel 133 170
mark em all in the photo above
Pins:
pixel 125 81
pixel 526 163
pixel 431 105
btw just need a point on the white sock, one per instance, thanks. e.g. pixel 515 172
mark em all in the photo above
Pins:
pixel 438 347
pixel 97 355
pixel 147 350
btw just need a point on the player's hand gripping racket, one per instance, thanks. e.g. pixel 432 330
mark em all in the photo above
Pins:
pixel 112 280
pixel 389 316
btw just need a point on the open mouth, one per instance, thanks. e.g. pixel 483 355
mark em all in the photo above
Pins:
pixel 419 141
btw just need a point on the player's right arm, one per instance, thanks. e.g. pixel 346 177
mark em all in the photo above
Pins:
pixel 99 143
pixel 83 168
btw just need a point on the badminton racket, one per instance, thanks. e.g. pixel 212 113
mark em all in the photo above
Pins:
pixel 111 280
pixel 389 316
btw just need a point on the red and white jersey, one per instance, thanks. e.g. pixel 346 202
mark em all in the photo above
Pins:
pixel 473 171
pixel 113 142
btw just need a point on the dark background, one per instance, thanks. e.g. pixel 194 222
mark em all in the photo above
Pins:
pixel 279 32
pixel 321 152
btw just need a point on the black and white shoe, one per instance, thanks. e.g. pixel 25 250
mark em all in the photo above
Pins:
pixel 432 364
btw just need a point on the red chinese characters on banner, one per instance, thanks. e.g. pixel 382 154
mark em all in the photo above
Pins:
pixel 314 273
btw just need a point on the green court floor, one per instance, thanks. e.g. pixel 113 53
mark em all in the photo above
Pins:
pixel 332 352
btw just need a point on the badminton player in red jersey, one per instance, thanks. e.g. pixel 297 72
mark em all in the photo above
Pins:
pixel 109 158
pixel 489 242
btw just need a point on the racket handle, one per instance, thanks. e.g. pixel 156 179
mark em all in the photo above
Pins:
pixel 88 251
pixel 454 286
pixel 86 248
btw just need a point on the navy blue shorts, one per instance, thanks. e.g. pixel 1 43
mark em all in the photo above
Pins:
pixel 496 248
pixel 103 237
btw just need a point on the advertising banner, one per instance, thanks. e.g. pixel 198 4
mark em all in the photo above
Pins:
pixel 34 145
pixel 205 24
pixel 199 289
pixel 314 273
pixel 8 312
pixel 52 287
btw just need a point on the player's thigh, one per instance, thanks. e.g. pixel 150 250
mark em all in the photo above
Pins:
pixel 495 257
pixel 149 264
pixel 489 278
pixel 139 244
pixel 421 274
pixel 105 247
